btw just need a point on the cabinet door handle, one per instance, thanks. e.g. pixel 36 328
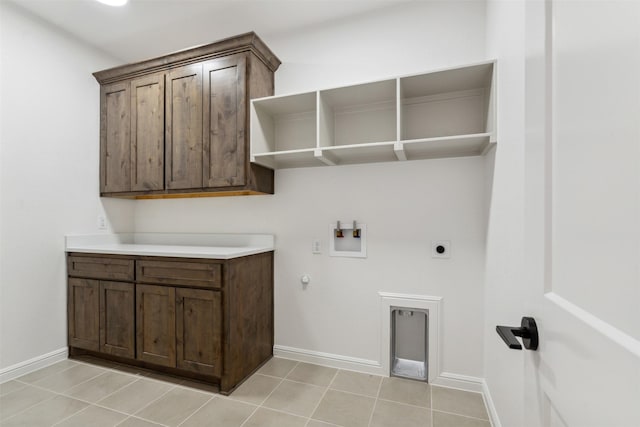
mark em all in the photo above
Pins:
pixel 528 330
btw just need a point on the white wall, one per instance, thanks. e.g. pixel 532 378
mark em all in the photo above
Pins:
pixel 48 177
pixel 504 282
pixel 405 205
pixel 402 39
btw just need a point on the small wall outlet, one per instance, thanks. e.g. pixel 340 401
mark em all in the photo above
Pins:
pixel 316 247
pixel 102 222
pixel 441 249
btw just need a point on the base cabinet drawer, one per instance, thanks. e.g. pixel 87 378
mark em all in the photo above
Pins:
pixel 192 274
pixel 95 267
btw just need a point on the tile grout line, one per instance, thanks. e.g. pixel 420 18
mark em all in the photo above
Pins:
pixel 357 394
pixel 264 400
pixel 102 398
pixel 150 403
pixel 111 369
pixel 322 397
pixel 375 402
pixel 55 393
pixel 89 403
pixel 97 404
pixel 46 376
pixel 461 415
pixel 281 379
pixel 74 414
pixel 431 403
pixel 29 407
pixel 141 419
pixel 75 385
pixel 194 412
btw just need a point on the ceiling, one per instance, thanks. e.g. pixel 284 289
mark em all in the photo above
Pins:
pixel 147 28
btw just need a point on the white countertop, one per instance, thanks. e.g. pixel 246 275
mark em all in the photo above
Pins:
pixel 181 245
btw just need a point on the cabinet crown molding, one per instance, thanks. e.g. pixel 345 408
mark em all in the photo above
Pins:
pixel 248 42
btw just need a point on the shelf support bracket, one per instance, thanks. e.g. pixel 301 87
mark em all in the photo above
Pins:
pixel 325 157
pixel 398 149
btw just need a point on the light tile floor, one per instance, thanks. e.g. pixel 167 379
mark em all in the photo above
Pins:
pixel 283 393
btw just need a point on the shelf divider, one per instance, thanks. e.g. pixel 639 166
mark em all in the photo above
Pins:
pixel 398 150
pixel 326 157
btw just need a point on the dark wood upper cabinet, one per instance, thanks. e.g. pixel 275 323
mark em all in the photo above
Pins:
pixel 184 128
pixel 224 121
pixel 177 125
pixel 147 133
pixel 115 138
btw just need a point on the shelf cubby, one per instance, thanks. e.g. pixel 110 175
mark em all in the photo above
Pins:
pixel 283 130
pixel 360 114
pixel 447 113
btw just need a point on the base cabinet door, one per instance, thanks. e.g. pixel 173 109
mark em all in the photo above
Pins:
pixel 156 324
pixel 83 313
pixel 117 319
pixel 199 331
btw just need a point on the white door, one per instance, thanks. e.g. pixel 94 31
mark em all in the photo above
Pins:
pixel 583 212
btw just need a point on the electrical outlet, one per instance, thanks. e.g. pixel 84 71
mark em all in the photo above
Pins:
pixel 441 249
pixel 316 247
pixel 102 222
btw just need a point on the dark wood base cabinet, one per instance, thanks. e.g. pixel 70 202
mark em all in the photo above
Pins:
pixel 210 320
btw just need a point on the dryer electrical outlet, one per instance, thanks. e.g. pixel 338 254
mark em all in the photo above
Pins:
pixel 441 249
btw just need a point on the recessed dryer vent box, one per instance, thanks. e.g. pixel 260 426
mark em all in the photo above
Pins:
pixel 348 241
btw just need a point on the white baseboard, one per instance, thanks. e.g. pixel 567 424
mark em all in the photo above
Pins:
pixel 28 366
pixel 328 359
pixel 461 382
pixel 491 407
pixel 464 382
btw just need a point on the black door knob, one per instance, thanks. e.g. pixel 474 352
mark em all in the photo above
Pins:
pixel 527 330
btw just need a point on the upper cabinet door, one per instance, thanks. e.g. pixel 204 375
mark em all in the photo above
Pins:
pixel 225 162
pixel 147 133
pixel 115 138
pixel 183 151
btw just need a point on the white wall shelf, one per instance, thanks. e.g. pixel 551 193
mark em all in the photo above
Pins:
pixel 445 113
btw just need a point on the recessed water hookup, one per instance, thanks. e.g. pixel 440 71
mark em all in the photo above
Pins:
pixel 348 241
